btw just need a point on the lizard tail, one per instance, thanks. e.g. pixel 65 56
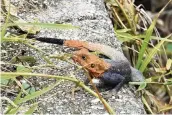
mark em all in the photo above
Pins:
pixel 41 39
pixel 47 39
pixel 51 40
pixel 136 75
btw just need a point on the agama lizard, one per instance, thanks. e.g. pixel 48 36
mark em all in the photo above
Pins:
pixel 111 73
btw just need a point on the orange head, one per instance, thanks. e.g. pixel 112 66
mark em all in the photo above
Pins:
pixel 90 62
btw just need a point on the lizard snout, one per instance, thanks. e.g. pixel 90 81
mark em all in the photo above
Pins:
pixel 74 58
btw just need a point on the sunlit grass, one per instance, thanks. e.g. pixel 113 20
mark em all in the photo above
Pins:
pixel 153 60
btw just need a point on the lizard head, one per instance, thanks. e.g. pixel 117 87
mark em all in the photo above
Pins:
pixel 90 62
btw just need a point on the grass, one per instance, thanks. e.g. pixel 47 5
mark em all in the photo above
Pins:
pixel 143 54
pixel 142 57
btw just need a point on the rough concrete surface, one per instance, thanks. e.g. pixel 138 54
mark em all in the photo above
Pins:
pixel 96 26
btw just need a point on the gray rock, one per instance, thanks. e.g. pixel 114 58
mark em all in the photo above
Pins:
pixel 96 26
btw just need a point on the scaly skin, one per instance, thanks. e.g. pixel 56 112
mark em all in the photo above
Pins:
pixel 112 73
pixel 110 52
pixel 91 62
pixel 104 49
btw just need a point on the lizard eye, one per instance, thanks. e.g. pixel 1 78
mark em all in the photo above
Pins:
pixel 83 57
pixel 92 65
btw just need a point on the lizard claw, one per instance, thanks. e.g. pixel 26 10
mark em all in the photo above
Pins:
pixel 109 94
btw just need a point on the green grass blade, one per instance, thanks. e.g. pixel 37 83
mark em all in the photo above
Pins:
pixel 158 38
pixel 147 105
pixel 37 93
pixel 4 27
pixel 145 43
pixel 13 111
pixel 9 107
pixel 9 75
pixel 31 109
pixel 11 102
pixel 142 86
pixel 147 37
pixel 152 53
pixel 45 25
pixel 166 108
pixel 168 83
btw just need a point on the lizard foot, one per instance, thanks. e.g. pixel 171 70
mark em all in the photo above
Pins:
pixel 109 93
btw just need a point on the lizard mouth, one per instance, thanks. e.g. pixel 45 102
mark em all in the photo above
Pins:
pixel 74 58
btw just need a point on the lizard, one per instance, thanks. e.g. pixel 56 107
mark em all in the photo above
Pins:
pixel 111 73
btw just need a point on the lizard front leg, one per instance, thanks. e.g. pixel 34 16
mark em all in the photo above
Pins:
pixel 116 76
pixel 110 81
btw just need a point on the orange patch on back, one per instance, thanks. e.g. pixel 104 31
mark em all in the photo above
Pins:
pixel 75 44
